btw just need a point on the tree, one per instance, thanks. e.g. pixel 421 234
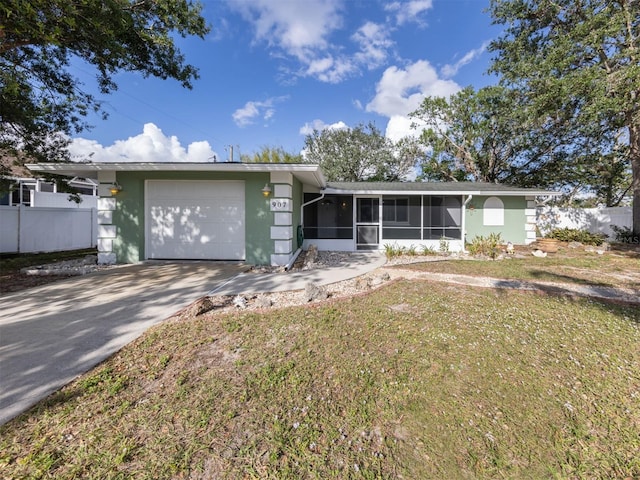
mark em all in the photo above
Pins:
pixel 41 102
pixel 468 136
pixel 488 135
pixel 271 155
pixel 356 154
pixel 576 67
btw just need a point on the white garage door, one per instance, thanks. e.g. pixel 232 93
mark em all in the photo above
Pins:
pixel 200 220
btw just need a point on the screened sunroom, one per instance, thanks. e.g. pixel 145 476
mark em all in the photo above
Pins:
pixel 368 222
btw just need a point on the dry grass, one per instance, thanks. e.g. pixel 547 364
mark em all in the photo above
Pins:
pixel 415 380
pixel 614 269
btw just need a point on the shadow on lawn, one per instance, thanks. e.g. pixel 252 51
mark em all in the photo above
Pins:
pixel 545 275
pixel 605 298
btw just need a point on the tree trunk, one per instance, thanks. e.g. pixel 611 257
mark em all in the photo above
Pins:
pixel 634 144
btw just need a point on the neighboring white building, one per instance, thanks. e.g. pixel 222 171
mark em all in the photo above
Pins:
pixel 35 192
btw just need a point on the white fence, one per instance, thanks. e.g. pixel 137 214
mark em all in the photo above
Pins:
pixel 39 229
pixel 595 220
pixel 61 200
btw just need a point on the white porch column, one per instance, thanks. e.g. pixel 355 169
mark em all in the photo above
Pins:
pixel 282 232
pixel 107 231
pixel 530 223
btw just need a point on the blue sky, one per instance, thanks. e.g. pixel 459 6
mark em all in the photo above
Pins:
pixel 272 70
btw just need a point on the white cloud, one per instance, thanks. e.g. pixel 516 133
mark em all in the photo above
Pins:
pixel 308 128
pixel 374 43
pixel 295 27
pixel 251 111
pixel 399 127
pixel 302 30
pixel 450 70
pixel 150 146
pixel 408 11
pixel 331 70
pixel 401 91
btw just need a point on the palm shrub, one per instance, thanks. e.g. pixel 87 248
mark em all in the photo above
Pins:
pixel 486 246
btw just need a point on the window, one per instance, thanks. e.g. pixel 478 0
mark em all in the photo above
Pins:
pixel 368 210
pixel 442 217
pixel 329 218
pixel 395 210
pixel 493 212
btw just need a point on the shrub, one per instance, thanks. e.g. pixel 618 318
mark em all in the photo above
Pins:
pixel 412 251
pixel 428 250
pixel 624 234
pixel 489 246
pixel 392 250
pixel 575 235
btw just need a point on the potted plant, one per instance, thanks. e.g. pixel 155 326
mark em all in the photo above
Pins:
pixel 547 244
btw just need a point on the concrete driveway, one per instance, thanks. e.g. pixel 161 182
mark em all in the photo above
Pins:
pixel 51 334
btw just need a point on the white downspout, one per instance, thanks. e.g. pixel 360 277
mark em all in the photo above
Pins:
pixel 297 252
pixel 308 203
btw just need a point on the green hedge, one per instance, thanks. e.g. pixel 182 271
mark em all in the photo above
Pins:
pixel 575 235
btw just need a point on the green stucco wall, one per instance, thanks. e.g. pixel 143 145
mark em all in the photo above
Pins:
pixel 515 219
pixel 129 214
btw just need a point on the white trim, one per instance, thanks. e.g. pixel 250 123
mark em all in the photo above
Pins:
pixel 105 245
pixel 282 247
pixel 105 217
pixel 282 232
pixel 280 190
pixel 106 203
pixel 306 173
pixel 281 177
pixel 107 231
pixel 282 219
pixel 280 260
pixel 503 193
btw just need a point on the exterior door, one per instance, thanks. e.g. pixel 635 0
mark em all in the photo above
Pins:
pixel 367 223
pixel 195 220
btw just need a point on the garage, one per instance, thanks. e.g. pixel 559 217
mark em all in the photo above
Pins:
pixel 195 220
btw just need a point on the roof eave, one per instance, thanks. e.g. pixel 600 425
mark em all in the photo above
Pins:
pixel 503 193
pixel 310 173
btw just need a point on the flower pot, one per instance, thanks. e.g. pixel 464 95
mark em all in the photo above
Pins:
pixel 549 245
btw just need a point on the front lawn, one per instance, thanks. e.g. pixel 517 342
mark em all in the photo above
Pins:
pixel 621 270
pixel 414 380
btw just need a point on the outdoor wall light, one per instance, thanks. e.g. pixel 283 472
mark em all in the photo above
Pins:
pixel 115 188
pixel 266 191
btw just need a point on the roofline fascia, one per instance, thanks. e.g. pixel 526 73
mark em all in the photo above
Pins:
pixel 171 166
pixel 536 193
pixel 293 168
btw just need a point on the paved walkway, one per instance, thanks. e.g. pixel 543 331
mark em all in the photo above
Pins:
pixel 358 264
pixel 51 334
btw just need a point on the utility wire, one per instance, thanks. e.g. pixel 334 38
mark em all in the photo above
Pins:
pixel 153 107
